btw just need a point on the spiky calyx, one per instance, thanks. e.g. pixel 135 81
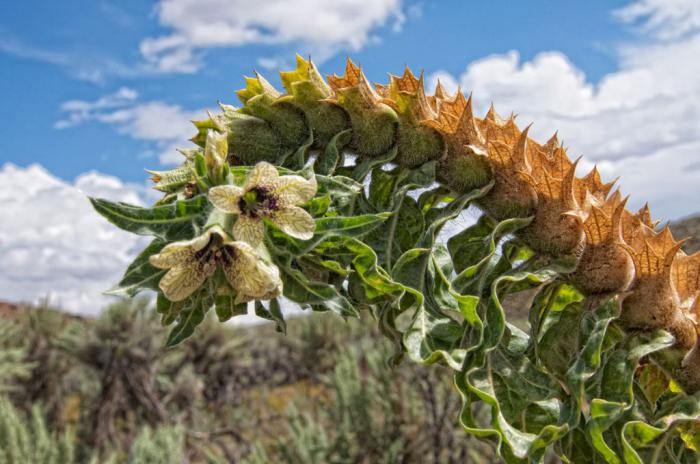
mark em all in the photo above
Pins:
pixel 374 124
pixel 605 265
pixel 417 142
pixel 306 88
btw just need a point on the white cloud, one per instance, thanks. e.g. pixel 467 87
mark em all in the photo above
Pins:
pixel 79 111
pixel 319 26
pixel 640 121
pixel 52 244
pixel 667 19
pixel 83 64
pixel 166 125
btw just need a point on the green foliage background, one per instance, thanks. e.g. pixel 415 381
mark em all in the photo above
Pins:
pixel 322 394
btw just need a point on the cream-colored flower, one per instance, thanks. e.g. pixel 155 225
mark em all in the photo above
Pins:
pixel 191 262
pixel 266 194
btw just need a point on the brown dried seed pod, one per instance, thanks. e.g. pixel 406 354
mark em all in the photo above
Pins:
pixel 688 376
pixel 513 194
pixel 605 265
pixel 557 228
pixel 465 166
pixel 417 142
pixel 653 302
pixel 685 274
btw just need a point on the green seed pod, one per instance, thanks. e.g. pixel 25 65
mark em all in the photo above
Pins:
pixel 261 100
pixel 306 89
pixel 511 196
pixel 374 124
pixel 464 169
pixel 417 142
pixel 251 140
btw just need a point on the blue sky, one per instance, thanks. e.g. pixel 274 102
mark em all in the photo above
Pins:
pixel 92 92
pixel 54 52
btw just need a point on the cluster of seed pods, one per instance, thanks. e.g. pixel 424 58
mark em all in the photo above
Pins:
pixel 618 252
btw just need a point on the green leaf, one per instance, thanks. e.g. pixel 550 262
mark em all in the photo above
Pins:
pixel 169 310
pixel 174 221
pixel 365 165
pixel 437 217
pixel 410 225
pixel 298 288
pixel 481 266
pixel 331 156
pixel 328 227
pixel 556 352
pixel 375 280
pixel 189 317
pixel 272 313
pixel 318 205
pixel 140 275
pixel 471 245
pixel 342 190
pixel 226 307
pixel 296 159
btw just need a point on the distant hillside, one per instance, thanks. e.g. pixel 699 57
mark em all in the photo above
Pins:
pixel 688 227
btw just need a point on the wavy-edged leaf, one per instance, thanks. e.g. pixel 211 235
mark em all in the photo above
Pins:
pixel 191 314
pixel 302 290
pixel 174 221
pixel 272 313
pixel 331 156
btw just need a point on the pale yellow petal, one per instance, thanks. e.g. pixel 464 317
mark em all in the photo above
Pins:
pixel 296 222
pixel 249 230
pixel 294 190
pixel 178 253
pixel 250 275
pixel 242 298
pixel 181 281
pixel 226 198
pixel 262 174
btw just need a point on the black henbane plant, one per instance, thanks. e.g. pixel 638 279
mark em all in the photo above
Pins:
pixel 271 204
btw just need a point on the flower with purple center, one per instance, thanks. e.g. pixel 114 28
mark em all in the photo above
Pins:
pixel 190 263
pixel 267 195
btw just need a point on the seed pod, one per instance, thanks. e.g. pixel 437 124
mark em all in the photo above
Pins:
pixel 653 302
pixel 465 166
pixel 591 184
pixel 557 228
pixel 440 94
pixel 685 274
pixel 374 124
pixel 250 139
pixel 688 376
pixel 262 100
pixel 306 89
pixel 513 193
pixel 605 265
pixel 417 142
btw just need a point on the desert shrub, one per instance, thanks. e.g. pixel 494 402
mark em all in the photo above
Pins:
pixel 28 439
